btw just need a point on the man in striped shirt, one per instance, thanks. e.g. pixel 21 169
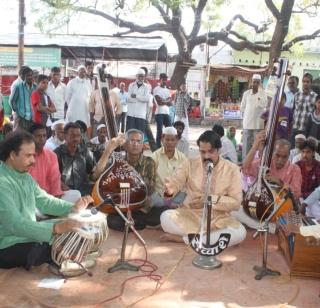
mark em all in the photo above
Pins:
pixel 304 104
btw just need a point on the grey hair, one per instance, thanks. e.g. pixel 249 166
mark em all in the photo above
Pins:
pixel 283 142
pixel 133 131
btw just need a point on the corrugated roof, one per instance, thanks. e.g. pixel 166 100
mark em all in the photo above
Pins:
pixel 96 46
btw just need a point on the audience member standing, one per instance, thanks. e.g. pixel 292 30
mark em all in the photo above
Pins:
pixel 42 106
pixel 304 104
pixel 183 144
pixel 293 82
pixel 138 99
pixel 313 123
pixel 163 99
pixel 253 103
pixel 77 96
pixel 149 134
pixel 123 95
pixel 57 92
pixel 20 100
pixel 182 103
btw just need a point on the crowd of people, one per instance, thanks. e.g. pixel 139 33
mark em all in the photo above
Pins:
pixel 59 148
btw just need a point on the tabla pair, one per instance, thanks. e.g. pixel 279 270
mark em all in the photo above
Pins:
pixel 74 252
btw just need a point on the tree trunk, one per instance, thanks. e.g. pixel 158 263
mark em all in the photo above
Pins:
pixel 179 74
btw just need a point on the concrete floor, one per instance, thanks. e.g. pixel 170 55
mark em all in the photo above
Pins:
pixel 182 285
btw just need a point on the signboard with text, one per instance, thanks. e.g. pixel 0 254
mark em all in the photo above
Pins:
pixel 232 114
pixel 33 56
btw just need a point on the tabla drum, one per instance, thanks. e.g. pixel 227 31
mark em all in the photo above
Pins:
pixel 75 246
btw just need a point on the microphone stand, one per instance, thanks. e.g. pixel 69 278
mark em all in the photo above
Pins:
pixel 121 264
pixel 206 262
pixel 263 270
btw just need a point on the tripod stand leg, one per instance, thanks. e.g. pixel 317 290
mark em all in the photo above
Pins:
pixel 264 271
pixel 121 264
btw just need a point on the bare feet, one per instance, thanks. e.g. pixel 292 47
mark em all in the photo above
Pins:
pixel 167 237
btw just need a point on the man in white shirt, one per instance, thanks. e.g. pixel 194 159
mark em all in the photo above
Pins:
pixel 293 82
pixel 163 99
pixel 298 142
pixel 253 104
pixel 77 96
pixel 57 92
pixel 138 101
pixel 57 138
pixel 227 150
pixel 123 95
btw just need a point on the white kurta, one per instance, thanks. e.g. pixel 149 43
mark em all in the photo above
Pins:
pixel 252 106
pixel 137 107
pixel 58 97
pixel 78 96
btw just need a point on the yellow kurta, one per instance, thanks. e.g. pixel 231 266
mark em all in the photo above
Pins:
pixel 166 167
pixel 226 184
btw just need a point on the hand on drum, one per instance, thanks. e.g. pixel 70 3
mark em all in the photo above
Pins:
pixel 82 203
pixel 66 226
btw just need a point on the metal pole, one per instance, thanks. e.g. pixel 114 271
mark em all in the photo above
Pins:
pixel 22 22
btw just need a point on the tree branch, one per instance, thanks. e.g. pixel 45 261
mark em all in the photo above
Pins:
pixel 162 12
pixel 275 12
pixel 117 21
pixel 300 38
pixel 247 22
pixel 197 18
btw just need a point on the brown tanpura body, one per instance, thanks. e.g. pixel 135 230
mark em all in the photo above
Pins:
pixel 118 171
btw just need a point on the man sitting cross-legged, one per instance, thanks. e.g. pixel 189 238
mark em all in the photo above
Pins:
pixel 145 166
pixel 168 159
pixel 45 170
pixel 282 172
pixel 225 190
pixel 24 242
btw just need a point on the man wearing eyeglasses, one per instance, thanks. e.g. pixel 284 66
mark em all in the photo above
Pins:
pixel 132 143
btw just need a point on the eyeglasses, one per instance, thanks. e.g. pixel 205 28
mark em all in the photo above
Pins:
pixel 135 142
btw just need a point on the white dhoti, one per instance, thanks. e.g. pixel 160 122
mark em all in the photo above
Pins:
pixel 169 224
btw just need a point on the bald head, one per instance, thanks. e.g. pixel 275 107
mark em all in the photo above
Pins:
pixel 281 153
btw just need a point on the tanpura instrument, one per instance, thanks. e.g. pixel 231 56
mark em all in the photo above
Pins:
pixel 118 170
pixel 260 198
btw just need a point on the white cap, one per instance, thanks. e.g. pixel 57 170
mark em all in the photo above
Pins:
pixel 81 67
pixel 169 131
pixel 101 126
pixel 300 136
pixel 256 77
pixel 141 72
pixel 54 124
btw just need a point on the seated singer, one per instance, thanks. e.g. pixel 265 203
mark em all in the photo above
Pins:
pixel 225 190
pixel 25 242
pixel 145 166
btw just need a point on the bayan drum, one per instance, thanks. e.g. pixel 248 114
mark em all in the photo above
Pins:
pixel 75 246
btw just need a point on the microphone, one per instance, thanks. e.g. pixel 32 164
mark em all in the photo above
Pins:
pixel 210 165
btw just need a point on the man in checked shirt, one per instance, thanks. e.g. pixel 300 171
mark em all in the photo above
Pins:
pixel 303 105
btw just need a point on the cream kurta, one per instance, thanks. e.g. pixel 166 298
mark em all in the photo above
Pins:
pixel 226 184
